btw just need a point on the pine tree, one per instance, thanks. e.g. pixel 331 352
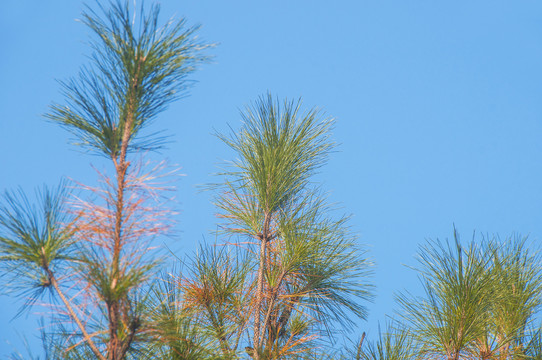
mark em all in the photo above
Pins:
pixel 287 274
pixel 92 254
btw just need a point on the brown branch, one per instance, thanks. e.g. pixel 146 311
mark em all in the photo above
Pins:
pixel 121 166
pixel 73 315
pixel 286 313
pixel 358 355
pixel 272 301
pixel 134 325
pixel 259 295
pixel 264 237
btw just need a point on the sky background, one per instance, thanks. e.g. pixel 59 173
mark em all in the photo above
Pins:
pixel 438 109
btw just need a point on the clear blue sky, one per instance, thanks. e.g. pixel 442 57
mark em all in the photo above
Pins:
pixel 438 107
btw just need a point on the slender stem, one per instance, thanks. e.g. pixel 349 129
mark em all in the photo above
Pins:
pixel 454 356
pixel 113 306
pixel 116 346
pixel 264 237
pixel 272 302
pixel 358 355
pixel 259 296
pixel 73 315
pixel 286 313
pixel 126 344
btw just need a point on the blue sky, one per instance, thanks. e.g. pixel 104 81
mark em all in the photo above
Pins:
pixel 438 109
